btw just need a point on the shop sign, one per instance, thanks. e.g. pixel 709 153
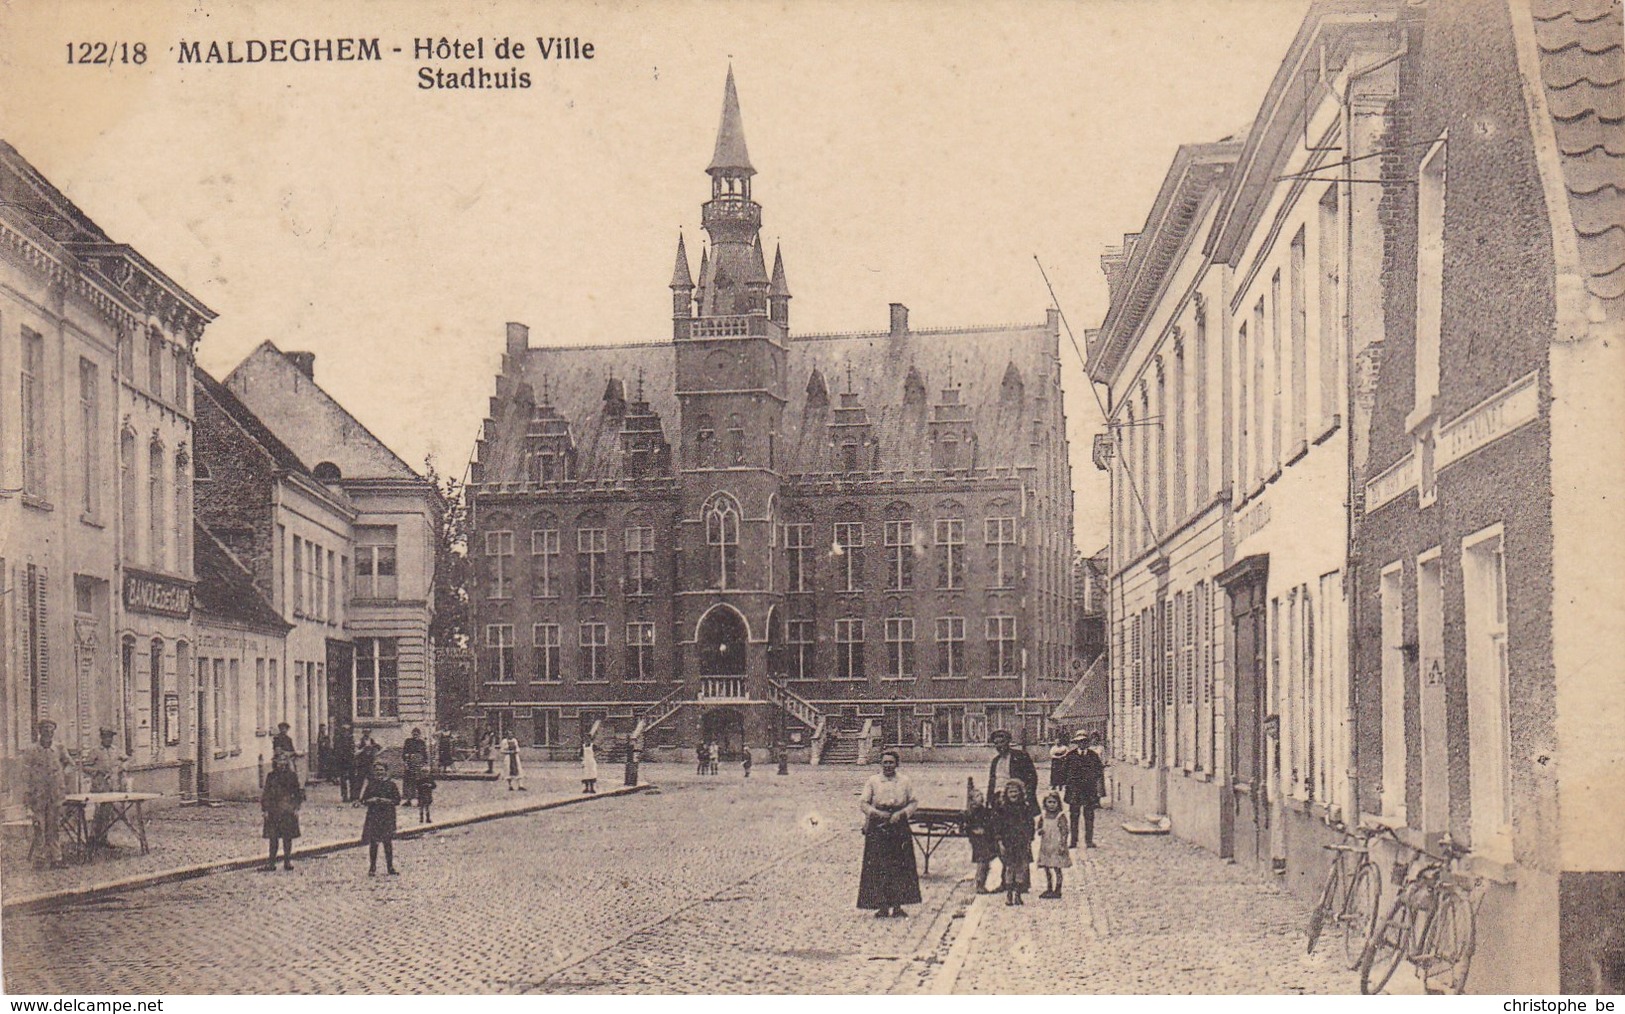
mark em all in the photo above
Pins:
pixel 161 596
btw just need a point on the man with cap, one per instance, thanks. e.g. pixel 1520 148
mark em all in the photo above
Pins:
pixel 43 764
pixel 105 767
pixel 1010 764
pixel 282 742
pixel 1085 783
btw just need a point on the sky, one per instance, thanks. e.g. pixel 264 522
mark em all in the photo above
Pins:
pixel 912 152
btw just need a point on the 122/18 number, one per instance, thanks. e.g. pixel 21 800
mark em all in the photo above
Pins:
pixel 107 52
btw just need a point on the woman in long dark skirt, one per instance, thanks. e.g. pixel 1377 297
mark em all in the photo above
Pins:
pixel 890 879
pixel 380 797
pixel 280 803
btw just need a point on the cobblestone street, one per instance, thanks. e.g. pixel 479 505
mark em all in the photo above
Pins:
pixel 711 885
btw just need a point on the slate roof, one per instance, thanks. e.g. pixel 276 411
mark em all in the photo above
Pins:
pixel 225 589
pixel 1089 698
pixel 997 374
pixel 730 153
pixel 1582 67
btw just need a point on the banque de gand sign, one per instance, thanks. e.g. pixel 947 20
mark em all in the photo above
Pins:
pixel 153 593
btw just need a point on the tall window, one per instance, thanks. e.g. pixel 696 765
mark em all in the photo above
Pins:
pixel 90 437
pixel 797 543
pixel 849 649
pixel 544 562
pixel 1260 401
pixel 183 514
pixel 950 725
pixel 155 506
pixel 375 562
pixel 1393 691
pixel 545 638
pixel 1001 646
pixel 900 647
pixel 377 678
pixel 1277 369
pixel 899 537
pixel 640 652
pixel 1244 413
pixel 736 440
pixel 1300 343
pixel 183 381
pixel 1430 198
pixel 950 538
pixel 800 635
pixel 1331 306
pixel 1483 565
pixel 640 560
pixel 705 443
pixel 318 582
pixel 33 411
pixel 259 697
pixel 219 695
pixel 499 652
pixel 130 503
pixel 594 644
pixel 849 554
pixel 331 610
pixel 499 554
pixel 1001 550
pixel 298 576
pixel 591 551
pixel 722 535
pixel 155 364
pixel 950 647
pixel 155 693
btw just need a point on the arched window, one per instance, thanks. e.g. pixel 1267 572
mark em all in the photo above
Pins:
pixel 131 503
pixel 722 534
pixel 155 505
pixel 155 693
pixel 183 515
pixel 326 472
pixel 721 637
pixel 849 456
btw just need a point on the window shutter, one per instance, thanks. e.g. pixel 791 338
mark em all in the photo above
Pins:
pixel 42 643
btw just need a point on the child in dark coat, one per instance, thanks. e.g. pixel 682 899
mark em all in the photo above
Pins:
pixel 984 846
pixel 425 798
pixel 1015 829
pixel 380 797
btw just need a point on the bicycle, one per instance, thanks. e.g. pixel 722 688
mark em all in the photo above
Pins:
pixel 1350 900
pixel 1431 925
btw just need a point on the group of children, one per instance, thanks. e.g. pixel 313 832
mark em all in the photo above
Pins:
pixel 1007 833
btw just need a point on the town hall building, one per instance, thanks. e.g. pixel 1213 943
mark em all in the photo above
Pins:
pixel 756 537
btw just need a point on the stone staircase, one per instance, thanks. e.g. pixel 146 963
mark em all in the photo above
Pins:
pixel 841 748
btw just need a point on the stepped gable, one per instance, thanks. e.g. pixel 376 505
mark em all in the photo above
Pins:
pixel 1582 69
pixel 576 380
pixel 884 366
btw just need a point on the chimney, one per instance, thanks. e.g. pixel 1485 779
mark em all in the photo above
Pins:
pixel 304 362
pixel 518 338
pixel 899 320
pixel 1052 320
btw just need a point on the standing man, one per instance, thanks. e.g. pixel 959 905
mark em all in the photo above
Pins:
pixel 1008 764
pixel 1085 784
pixel 105 767
pixel 415 757
pixel 43 764
pixel 282 742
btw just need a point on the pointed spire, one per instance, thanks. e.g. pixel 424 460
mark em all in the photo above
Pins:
pixel 680 278
pixel 705 268
pixel 730 154
pixel 758 264
pixel 779 286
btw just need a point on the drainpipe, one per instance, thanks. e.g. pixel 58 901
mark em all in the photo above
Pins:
pixel 1350 582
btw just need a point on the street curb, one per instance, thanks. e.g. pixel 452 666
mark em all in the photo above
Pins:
pixel 36 902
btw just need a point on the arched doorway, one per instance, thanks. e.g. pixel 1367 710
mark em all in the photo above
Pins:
pixel 721 642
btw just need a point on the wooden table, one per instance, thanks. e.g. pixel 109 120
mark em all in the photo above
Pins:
pixel 79 809
pixel 932 825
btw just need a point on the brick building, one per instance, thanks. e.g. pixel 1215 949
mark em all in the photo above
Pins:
pixel 742 532
pixel 1487 594
pixel 295 536
pixel 1364 409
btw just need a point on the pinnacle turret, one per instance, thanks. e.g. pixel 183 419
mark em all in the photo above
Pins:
pixel 680 278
